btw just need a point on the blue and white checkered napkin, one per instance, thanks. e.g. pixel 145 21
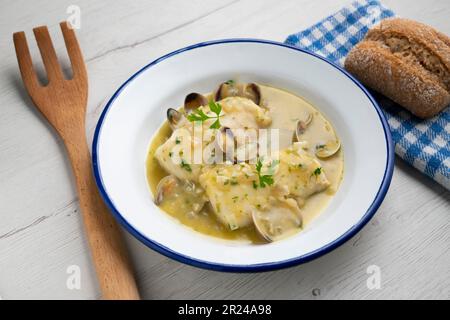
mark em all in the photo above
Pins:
pixel 425 144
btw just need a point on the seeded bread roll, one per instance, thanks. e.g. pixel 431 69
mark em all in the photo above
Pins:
pixel 406 61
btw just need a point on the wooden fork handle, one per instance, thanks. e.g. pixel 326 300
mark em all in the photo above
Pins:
pixel 113 268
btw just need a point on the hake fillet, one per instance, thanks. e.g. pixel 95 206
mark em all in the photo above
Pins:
pixel 300 172
pixel 176 153
pixel 234 190
pixel 236 113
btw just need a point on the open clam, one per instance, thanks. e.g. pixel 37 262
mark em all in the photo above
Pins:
pixel 252 92
pixel 227 89
pixel 328 149
pixel 167 187
pixel 193 101
pixel 175 118
pixel 329 146
pixel 180 194
pixel 301 126
pixel 232 89
pixel 331 143
pixel 278 221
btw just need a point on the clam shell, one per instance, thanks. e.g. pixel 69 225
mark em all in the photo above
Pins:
pixel 175 118
pixel 230 89
pixel 193 101
pixel 279 221
pixel 165 187
pixel 328 149
pixel 302 125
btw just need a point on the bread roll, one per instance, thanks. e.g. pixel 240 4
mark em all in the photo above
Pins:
pixel 406 61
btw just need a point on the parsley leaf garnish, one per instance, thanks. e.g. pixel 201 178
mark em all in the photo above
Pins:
pixel 215 125
pixel 266 179
pixel 200 115
pixel 197 115
pixel 215 107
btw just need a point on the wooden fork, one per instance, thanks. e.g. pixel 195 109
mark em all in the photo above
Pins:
pixel 63 104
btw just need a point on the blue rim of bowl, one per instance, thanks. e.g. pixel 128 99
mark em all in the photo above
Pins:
pixel 252 267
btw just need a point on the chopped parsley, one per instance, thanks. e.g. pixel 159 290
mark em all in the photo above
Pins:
pixel 317 171
pixel 185 166
pixel 177 140
pixel 230 82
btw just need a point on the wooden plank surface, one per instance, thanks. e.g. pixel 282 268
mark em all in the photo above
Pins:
pixel 41 231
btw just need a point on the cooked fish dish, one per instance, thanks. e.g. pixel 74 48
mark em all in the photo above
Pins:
pixel 246 162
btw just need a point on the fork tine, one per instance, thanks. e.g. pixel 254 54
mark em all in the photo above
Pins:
pixel 48 53
pixel 74 51
pixel 29 77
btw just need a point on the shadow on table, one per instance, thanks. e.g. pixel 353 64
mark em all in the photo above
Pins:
pixel 421 178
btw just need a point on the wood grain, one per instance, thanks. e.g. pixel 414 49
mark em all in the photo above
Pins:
pixel 41 233
pixel 63 103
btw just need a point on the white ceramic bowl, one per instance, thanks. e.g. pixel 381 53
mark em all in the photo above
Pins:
pixel 137 109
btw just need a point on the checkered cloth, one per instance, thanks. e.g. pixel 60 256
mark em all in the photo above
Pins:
pixel 424 144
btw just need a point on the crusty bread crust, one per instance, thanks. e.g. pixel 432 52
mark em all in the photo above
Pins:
pixel 408 62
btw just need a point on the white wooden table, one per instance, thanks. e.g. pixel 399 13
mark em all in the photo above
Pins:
pixel 41 233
